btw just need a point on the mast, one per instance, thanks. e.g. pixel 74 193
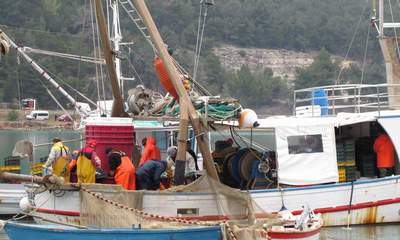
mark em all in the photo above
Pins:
pixel 184 100
pixel 116 39
pixel 391 53
pixel 118 107
pixel 42 72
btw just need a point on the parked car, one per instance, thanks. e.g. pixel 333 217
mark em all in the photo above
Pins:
pixel 38 115
pixel 64 118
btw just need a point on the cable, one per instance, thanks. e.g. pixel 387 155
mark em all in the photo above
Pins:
pixel 351 42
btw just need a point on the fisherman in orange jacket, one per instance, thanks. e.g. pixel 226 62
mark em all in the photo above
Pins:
pixel 150 152
pixel 384 150
pixel 123 169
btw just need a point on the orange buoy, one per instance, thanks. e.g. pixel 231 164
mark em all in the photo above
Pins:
pixel 162 74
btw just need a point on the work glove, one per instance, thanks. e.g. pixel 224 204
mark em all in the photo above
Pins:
pixel 47 171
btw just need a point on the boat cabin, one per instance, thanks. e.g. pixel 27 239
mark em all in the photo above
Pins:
pixel 328 140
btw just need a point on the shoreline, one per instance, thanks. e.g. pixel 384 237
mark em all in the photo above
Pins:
pixel 34 125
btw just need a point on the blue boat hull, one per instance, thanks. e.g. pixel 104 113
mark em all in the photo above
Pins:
pixel 19 231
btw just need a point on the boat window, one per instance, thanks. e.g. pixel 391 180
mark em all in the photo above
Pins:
pixel 162 139
pixel 263 139
pixel 305 144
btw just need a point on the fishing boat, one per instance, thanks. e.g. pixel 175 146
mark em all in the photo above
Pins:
pixel 16 231
pixel 320 156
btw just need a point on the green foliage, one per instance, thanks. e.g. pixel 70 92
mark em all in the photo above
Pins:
pixel 323 71
pixel 12 115
pixel 258 89
pixel 64 26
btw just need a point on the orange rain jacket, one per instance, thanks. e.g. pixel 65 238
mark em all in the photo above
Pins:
pixel 150 152
pixel 384 150
pixel 125 174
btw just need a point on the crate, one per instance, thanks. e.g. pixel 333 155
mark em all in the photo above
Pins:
pixel 12 161
pixel 342 174
pixel 117 135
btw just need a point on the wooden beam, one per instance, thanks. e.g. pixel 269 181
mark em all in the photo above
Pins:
pixel 184 99
pixel 180 161
pixel 118 107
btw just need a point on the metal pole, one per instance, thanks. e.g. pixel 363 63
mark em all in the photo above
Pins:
pixel 381 18
pixel 43 73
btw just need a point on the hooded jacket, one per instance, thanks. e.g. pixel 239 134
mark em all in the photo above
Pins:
pixel 150 152
pixel 384 150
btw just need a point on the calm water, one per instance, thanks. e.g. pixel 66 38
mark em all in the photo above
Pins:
pixel 8 138
pixel 381 232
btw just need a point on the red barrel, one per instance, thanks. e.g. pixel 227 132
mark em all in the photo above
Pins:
pixel 117 133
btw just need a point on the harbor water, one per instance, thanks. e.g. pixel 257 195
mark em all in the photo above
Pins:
pixel 8 138
pixel 379 232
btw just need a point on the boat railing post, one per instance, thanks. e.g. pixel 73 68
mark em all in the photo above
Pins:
pixel 379 102
pixel 333 101
pixel 355 99
pixel 312 103
pixel 294 103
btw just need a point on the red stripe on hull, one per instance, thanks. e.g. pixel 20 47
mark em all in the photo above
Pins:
pixel 353 207
pixel 58 212
pixel 219 217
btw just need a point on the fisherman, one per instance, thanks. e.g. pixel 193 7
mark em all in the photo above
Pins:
pixel 190 165
pixel 150 152
pixel 87 163
pixel 384 150
pixel 122 169
pixel 58 160
pixel 149 174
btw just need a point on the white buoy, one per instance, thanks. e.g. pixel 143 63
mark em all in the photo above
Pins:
pixel 25 204
pixel 248 119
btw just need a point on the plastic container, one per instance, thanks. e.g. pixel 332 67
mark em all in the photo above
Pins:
pixel 117 133
pixel 320 98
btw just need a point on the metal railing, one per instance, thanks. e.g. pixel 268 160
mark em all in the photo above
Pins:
pixel 351 98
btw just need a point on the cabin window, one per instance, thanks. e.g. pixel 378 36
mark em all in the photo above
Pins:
pixel 162 139
pixel 305 144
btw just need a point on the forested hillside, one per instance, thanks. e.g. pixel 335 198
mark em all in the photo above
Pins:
pixel 300 25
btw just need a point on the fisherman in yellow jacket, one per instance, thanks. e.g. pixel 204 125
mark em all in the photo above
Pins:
pixel 87 163
pixel 58 160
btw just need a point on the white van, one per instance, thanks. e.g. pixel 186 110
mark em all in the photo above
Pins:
pixel 38 115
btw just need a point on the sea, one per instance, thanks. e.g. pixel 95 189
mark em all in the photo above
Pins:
pixel 8 138
pixel 379 232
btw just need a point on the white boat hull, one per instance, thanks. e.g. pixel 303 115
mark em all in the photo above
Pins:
pixel 10 195
pixel 374 201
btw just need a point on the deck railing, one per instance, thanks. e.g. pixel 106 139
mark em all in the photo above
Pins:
pixel 351 98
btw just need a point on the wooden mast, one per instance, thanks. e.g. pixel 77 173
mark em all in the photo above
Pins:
pixel 184 99
pixel 118 107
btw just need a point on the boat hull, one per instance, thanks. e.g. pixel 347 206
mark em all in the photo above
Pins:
pixel 10 195
pixel 17 231
pixel 374 201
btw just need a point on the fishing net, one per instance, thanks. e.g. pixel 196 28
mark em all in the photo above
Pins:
pixel 109 206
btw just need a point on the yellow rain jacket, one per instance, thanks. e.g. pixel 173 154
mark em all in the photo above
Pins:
pixel 60 165
pixel 86 171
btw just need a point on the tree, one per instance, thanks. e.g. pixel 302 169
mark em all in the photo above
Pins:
pixel 323 71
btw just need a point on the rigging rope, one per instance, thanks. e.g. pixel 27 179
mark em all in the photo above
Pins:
pixel 351 41
pixel 199 40
pixel 95 50
pixel 65 55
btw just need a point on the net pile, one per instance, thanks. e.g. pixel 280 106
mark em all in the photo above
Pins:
pixel 109 206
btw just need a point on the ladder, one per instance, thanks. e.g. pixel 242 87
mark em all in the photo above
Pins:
pixel 134 15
